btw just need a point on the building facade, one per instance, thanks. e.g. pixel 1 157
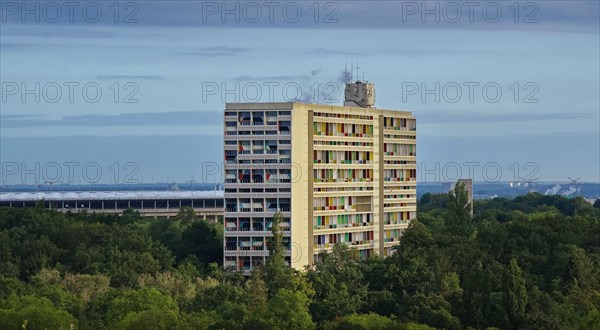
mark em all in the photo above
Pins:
pixel 468 184
pixel 208 205
pixel 339 174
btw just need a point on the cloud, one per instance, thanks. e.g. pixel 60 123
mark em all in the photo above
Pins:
pixel 11 46
pixel 53 31
pixel 12 117
pixel 317 88
pixel 173 118
pixel 217 51
pixel 267 78
pixel 301 77
pixel 542 15
pixel 313 87
pixel 451 116
pixel 129 77
pixel 327 51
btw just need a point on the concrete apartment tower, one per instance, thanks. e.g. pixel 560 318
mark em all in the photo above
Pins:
pixel 339 174
pixel 468 184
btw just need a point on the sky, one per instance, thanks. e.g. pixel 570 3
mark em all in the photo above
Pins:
pixel 134 92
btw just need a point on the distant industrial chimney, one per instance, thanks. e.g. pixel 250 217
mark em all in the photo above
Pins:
pixel 359 94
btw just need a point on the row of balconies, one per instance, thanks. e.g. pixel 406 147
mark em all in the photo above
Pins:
pixel 247 245
pixel 355 180
pixel 258 181
pixel 404 129
pixel 260 228
pixel 346 226
pixel 275 160
pixel 401 179
pixel 357 244
pixel 246 263
pixel 262 133
pixel 271 122
pixel 343 162
pixel 247 210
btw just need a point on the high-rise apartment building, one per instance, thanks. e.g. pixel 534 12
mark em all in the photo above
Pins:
pixel 468 184
pixel 339 174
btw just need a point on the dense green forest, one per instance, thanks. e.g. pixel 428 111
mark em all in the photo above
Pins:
pixel 527 263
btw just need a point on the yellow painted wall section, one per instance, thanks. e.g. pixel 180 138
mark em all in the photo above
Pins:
pixel 301 205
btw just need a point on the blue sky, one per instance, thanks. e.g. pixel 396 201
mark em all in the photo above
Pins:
pixel 166 56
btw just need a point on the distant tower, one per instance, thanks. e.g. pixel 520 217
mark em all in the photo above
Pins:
pixel 359 94
pixel 468 183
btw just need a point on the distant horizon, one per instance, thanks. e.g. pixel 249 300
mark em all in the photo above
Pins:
pixel 590 190
pixel 220 183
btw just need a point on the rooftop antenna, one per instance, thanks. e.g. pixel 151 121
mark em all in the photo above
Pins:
pixel 351 71
pixel 357 76
pixel 346 72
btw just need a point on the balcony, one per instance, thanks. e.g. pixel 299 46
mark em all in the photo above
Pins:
pixel 231 226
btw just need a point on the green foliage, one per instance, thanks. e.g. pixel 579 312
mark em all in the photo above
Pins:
pixel 189 238
pixel 429 202
pixel 203 241
pixel 34 312
pixel 369 321
pixel 339 284
pixel 532 262
pixel 289 310
pixel 186 216
pixel 127 306
pixel 258 290
pixel 278 272
pixel 152 319
pixel 515 294
pixel 458 215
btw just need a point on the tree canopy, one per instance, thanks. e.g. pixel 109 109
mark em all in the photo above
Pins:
pixel 532 262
